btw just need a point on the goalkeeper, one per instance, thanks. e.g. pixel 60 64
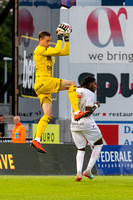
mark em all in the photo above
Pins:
pixel 45 85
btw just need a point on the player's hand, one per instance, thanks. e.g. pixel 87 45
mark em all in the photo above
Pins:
pixel 67 33
pixel 61 29
pixel 64 29
pixel 97 104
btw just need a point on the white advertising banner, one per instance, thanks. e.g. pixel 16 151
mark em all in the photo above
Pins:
pixel 109 33
pixel 101 44
pixel 115 90
pixel 126 134
pixel 104 34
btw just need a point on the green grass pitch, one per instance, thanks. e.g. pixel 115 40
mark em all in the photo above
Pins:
pixel 65 188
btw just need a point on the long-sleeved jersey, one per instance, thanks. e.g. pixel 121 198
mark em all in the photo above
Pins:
pixel 43 58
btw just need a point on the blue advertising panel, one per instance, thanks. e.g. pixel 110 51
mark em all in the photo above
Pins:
pixel 52 4
pixel 112 2
pixel 115 160
pixel 128 3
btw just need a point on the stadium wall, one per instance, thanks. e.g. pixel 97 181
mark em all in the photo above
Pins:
pixel 21 159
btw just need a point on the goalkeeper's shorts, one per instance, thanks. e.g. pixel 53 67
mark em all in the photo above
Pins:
pixel 44 87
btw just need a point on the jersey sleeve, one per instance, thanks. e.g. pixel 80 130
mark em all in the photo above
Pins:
pixel 66 50
pixel 51 51
pixel 89 98
pixel 79 93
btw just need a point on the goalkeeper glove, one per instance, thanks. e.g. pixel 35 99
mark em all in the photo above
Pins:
pixel 66 37
pixel 60 36
pixel 67 32
pixel 64 29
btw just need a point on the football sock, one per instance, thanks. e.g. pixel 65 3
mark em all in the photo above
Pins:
pixel 73 98
pixel 79 161
pixel 42 125
pixel 76 112
pixel 37 139
pixel 94 156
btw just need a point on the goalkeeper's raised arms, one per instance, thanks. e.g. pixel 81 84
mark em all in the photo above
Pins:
pixel 64 29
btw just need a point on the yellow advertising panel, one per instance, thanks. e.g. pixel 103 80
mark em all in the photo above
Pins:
pixel 50 135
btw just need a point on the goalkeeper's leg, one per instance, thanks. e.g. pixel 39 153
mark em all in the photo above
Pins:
pixel 72 94
pixel 47 108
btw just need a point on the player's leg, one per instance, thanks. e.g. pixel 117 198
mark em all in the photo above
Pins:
pixel 44 88
pixel 80 143
pixel 72 94
pixel 47 110
pixel 95 139
pixel 79 163
pixel 95 154
pixel 71 87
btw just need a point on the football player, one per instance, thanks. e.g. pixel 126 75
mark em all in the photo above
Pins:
pixel 86 129
pixel 45 85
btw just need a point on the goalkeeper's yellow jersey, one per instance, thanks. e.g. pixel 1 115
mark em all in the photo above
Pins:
pixel 43 58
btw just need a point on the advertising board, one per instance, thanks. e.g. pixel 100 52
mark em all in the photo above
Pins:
pixel 51 134
pixel 34 16
pixel 104 49
pixel 115 160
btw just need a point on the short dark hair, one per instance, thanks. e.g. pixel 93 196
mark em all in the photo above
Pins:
pixel 42 34
pixel 88 79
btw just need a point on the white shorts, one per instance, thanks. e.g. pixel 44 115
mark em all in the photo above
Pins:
pixel 81 137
